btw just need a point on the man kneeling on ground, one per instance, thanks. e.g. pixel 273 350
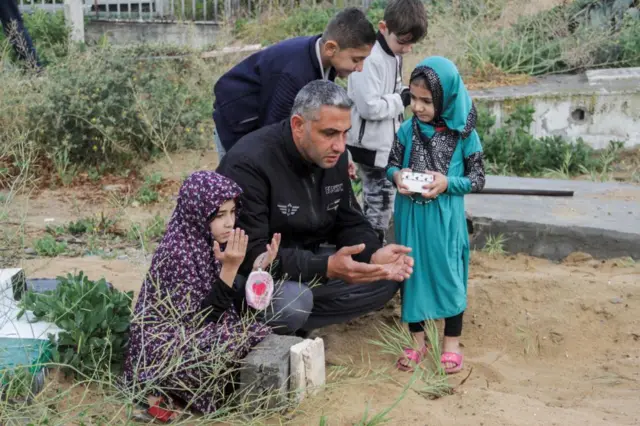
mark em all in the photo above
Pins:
pixel 295 182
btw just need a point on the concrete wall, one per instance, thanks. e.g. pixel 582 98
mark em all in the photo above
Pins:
pixel 573 107
pixel 195 36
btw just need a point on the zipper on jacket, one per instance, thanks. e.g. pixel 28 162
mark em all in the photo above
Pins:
pixel 363 124
pixel 308 188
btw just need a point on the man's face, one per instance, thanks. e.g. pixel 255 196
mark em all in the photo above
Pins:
pixel 322 141
pixel 346 61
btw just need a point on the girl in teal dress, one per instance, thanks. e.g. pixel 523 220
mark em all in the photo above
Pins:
pixel 440 140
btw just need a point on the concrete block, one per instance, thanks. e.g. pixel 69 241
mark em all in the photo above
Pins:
pixel 12 283
pixel 616 74
pixel 264 376
pixel 12 287
pixel 307 368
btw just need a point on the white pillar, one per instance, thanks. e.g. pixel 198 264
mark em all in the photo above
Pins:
pixel 74 17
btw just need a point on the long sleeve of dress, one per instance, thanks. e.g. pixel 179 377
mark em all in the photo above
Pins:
pixel 474 177
pixel 396 157
pixel 219 299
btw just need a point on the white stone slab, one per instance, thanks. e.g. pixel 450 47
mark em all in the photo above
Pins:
pixel 307 368
pixel 23 328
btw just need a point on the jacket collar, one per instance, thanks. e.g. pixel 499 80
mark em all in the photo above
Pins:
pixel 316 63
pixel 298 163
pixel 384 45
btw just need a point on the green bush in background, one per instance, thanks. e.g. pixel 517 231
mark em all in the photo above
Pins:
pixel 511 149
pixel 107 108
pixel 49 33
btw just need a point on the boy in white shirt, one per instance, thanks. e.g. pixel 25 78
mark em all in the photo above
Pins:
pixel 380 100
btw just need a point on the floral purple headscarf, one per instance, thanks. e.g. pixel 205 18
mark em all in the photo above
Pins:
pixel 186 251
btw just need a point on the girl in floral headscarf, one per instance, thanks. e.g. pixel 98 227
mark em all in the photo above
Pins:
pixel 439 140
pixel 187 333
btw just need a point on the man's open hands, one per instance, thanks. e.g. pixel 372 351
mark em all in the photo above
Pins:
pixel 395 260
pixel 388 263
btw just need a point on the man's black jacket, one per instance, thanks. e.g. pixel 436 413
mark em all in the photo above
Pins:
pixel 308 205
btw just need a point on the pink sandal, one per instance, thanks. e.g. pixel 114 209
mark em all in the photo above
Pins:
pixel 409 355
pixel 454 358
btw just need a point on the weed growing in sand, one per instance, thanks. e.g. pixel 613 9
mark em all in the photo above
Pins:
pixel 148 192
pixel 431 380
pixel 627 262
pixel 15 384
pixel 152 232
pixel 530 339
pixel 602 170
pixel 494 245
pixel 48 246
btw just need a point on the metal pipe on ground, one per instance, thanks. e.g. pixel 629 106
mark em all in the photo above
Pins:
pixel 538 192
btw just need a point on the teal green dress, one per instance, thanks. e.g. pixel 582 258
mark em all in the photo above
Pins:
pixel 436 230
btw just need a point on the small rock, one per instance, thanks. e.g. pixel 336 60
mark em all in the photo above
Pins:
pixel 616 300
pixel 113 188
pixel 30 251
pixel 123 257
pixel 135 204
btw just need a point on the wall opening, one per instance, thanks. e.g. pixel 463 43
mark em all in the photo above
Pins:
pixel 578 115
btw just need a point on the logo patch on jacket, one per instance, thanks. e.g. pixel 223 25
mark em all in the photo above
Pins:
pixel 333 189
pixel 333 205
pixel 288 209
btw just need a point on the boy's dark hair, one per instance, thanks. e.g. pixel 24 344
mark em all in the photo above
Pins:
pixel 406 17
pixel 350 28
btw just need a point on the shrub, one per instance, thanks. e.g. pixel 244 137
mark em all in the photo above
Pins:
pixel 303 21
pixel 105 108
pixel 49 33
pixel 48 246
pixel 95 318
pixel 512 149
pixel 573 36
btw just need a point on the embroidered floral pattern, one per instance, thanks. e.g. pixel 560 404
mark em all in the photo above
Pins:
pixel 474 170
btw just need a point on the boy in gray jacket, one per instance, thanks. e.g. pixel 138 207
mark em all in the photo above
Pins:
pixel 380 100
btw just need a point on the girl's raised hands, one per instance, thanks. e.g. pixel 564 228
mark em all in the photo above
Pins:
pixel 235 251
pixel 266 258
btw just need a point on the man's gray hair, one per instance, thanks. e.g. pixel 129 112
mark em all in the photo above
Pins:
pixel 317 94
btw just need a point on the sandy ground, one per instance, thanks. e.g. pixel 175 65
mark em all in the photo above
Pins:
pixel 545 344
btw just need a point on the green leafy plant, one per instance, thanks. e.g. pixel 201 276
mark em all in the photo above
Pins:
pixel 95 318
pixel 148 192
pixel 81 226
pixel 48 246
